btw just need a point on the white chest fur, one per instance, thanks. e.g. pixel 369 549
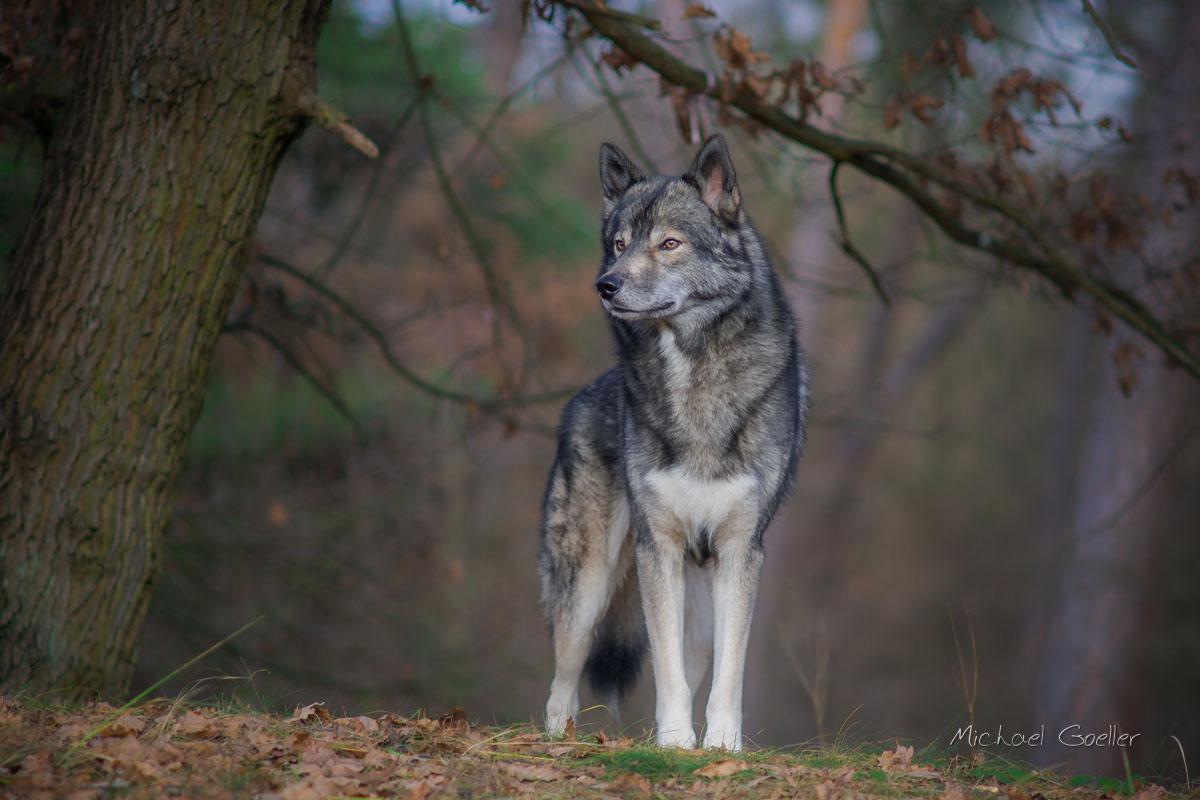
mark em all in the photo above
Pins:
pixel 697 502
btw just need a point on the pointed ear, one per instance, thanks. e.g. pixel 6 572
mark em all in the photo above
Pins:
pixel 617 173
pixel 712 173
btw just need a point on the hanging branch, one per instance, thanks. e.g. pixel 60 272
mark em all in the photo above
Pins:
pixel 844 238
pixel 1107 34
pixel 908 175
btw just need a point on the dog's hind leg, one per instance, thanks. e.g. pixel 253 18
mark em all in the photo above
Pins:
pixel 574 620
pixel 735 586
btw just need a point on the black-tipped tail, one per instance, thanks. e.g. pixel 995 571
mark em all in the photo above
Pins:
pixel 616 656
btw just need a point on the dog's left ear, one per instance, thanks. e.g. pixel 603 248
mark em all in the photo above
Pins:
pixel 712 173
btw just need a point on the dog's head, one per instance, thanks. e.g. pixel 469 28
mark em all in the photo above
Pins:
pixel 671 245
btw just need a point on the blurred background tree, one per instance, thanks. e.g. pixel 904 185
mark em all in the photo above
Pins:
pixel 991 524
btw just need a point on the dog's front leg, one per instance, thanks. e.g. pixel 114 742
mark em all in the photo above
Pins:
pixel 735 587
pixel 660 575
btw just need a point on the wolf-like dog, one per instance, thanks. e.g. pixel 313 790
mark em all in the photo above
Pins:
pixel 671 465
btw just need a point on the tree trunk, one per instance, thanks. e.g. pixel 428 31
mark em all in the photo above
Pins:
pixel 152 189
pixel 1092 671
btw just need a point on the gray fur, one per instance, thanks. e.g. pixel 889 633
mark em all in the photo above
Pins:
pixel 671 465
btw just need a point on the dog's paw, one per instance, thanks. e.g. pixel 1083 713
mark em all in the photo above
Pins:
pixel 723 737
pixel 557 725
pixel 679 734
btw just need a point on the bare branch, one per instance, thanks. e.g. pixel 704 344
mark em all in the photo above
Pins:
pixel 844 238
pixel 614 104
pixel 1108 35
pixel 347 235
pixel 907 174
pixel 496 293
pixel 296 364
pixel 336 122
pixel 486 403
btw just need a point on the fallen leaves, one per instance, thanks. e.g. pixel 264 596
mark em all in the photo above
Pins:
pixel 721 769
pixel 171 749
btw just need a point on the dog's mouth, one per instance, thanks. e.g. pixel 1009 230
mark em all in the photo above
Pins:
pixel 638 313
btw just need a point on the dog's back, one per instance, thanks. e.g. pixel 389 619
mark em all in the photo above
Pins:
pixel 689 444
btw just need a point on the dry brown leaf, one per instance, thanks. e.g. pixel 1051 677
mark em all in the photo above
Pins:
pixel 892 113
pixel 359 724
pixel 193 725
pixel 617 59
pixel 533 772
pixel 630 780
pixel 124 725
pixel 315 753
pixel 698 11
pixel 342 767
pixel 958 49
pixel 313 714
pixel 984 30
pixel 721 769
pixel 893 759
pixel 454 720
pixel 921 104
pixel 953 792
pixel 736 50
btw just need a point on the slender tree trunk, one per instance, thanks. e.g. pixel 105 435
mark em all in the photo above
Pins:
pixel 153 186
pixel 1092 671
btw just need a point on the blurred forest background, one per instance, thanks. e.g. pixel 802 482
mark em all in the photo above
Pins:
pixel 995 521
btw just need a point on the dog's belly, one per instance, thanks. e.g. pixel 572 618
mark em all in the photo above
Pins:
pixel 699 503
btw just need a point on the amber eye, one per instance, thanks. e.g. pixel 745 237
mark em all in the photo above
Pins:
pixel 620 245
pixel 669 244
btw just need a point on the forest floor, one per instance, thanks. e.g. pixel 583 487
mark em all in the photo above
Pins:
pixel 169 748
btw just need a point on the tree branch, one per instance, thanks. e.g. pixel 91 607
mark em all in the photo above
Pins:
pixel 294 362
pixel 905 173
pixel 336 122
pixel 483 402
pixel 1108 36
pixel 844 238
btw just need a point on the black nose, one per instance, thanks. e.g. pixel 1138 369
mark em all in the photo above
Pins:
pixel 608 286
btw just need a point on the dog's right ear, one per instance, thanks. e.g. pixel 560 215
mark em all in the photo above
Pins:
pixel 617 173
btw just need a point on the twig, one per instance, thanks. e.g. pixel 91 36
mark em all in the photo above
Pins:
pixel 1108 36
pixel 614 104
pixel 498 297
pixel 501 108
pixel 844 235
pixel 347 235
pixel 336 122
pixel 294 362
pixel 489 404
pixel 889 166
pixel 485 139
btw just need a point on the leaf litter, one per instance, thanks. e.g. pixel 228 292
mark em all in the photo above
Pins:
pixel 162 748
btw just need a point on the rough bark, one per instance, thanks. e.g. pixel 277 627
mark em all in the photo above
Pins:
pixel 153 185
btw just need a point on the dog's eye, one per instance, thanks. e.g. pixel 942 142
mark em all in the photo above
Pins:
pixel 669 244
pixel 620 245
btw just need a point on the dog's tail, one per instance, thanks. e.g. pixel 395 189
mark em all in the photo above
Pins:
pixel 616 655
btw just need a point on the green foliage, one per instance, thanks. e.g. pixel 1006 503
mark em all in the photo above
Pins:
pixel 362 67
pixel 652 763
